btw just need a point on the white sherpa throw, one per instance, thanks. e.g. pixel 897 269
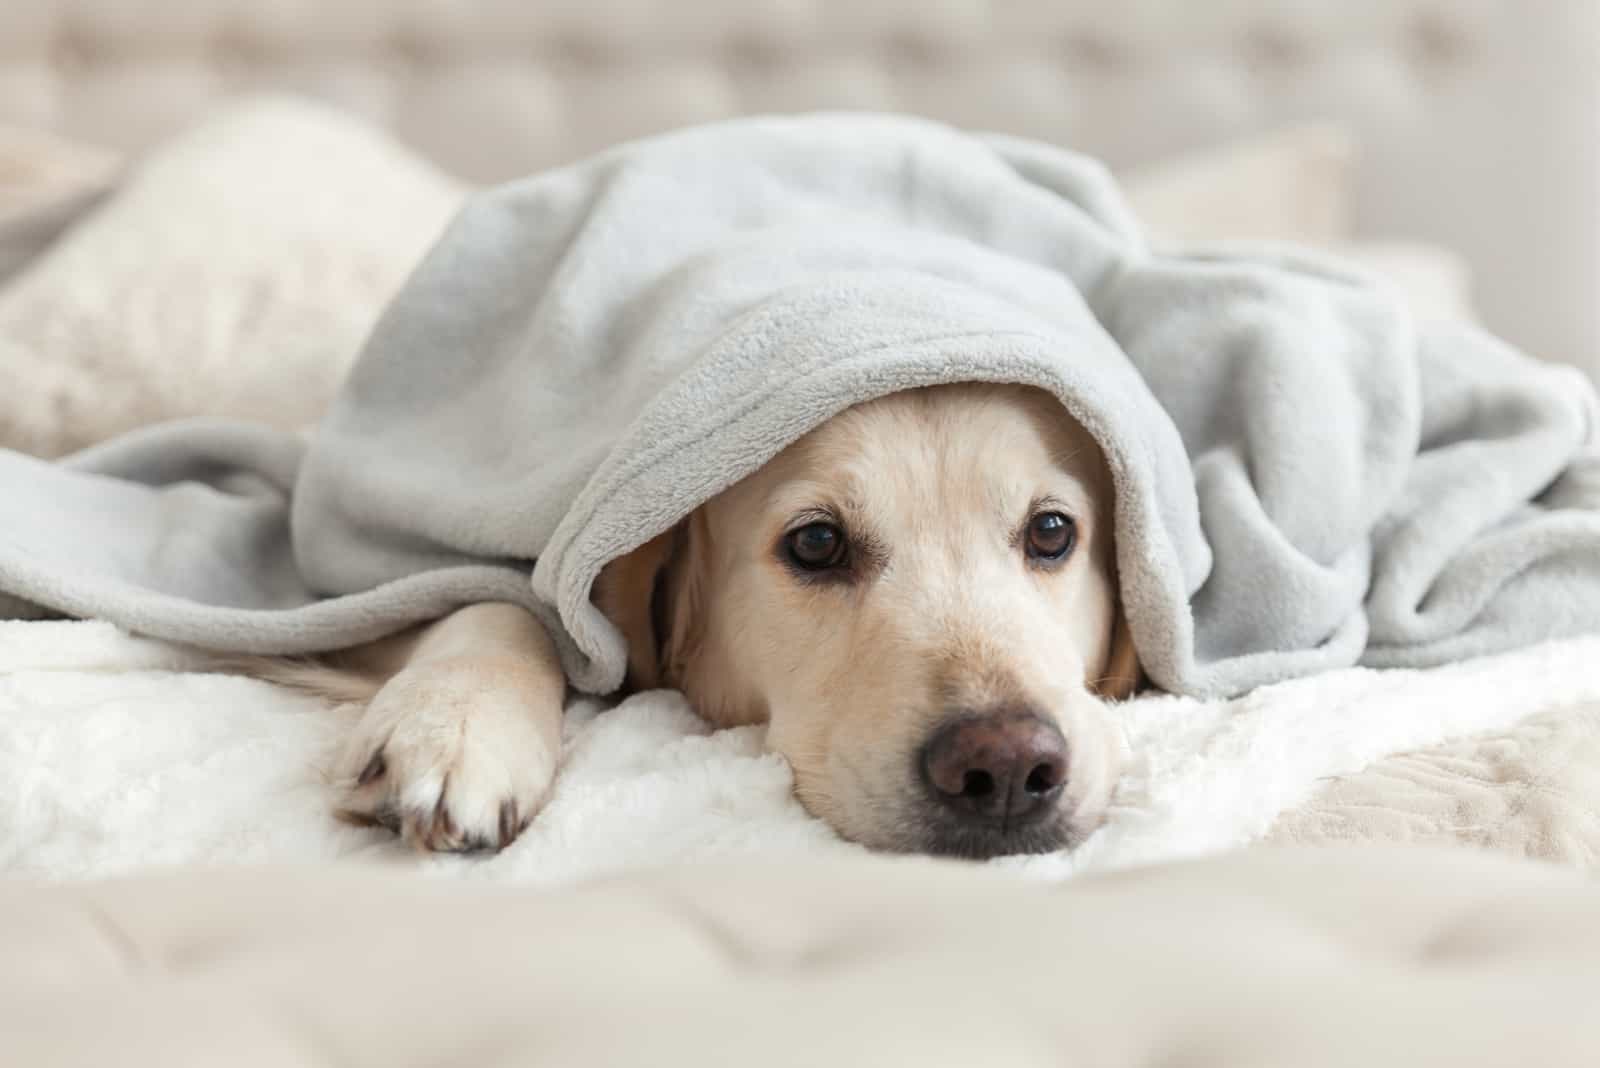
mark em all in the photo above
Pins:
pixel 118 754
pixel 1305 478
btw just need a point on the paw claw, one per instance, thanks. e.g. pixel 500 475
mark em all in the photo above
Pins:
pixel 510 825
pixel 441 814
pixel 375 768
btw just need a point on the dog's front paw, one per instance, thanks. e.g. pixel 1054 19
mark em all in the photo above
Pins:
pixel 451 757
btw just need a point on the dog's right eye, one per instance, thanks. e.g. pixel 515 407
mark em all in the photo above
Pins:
pixel 816 546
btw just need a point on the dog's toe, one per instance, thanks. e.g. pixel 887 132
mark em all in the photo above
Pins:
pixel 451 771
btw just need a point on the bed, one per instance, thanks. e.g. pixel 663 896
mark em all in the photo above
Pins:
pixel 120 755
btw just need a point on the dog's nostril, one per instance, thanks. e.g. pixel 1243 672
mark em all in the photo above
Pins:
pixel 996 769
pixel 977 784
pixel 1043 778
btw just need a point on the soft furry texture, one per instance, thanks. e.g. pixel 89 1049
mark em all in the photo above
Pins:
pixel 117 754
pixel 234 272
pixel 1305 478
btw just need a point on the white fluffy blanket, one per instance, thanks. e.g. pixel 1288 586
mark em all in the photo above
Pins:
pixel 114 757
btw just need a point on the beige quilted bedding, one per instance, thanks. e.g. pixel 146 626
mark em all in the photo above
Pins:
pixel 1532 789
pixel 1333 957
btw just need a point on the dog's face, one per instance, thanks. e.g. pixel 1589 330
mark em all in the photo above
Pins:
pixel 919 597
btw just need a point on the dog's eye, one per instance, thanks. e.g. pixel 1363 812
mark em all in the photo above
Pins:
pixel 1051 536
pixel 816 546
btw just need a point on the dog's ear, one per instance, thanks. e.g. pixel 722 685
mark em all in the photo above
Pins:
pixel 1122 675
pixel 654 596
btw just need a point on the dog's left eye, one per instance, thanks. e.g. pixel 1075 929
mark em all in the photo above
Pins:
pixel 1051 536
pixel 816 546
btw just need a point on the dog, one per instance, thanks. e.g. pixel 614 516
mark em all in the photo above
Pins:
pixel 918 598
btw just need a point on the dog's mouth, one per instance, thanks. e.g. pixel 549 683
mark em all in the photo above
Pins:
pixel 919 829
pixel 1043 833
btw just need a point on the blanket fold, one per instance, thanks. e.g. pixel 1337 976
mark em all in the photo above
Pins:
pixel 1306 478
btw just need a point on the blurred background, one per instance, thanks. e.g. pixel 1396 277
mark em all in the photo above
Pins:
pixel 1451 143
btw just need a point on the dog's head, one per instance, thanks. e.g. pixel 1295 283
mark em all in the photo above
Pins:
pixel 920 598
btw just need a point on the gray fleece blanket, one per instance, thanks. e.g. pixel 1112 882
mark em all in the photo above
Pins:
pixel 1305 478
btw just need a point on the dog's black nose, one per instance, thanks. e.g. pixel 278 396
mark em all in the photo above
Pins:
pixel 997 770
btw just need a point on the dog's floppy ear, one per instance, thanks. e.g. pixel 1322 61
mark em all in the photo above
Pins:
pixel 1122 676
pixel 653 596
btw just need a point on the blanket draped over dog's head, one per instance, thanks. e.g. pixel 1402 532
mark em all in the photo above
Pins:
pixel 1305 478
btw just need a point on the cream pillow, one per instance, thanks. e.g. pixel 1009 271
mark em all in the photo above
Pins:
pixel 1435 282
pixel 1291 185
pixel 234 272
